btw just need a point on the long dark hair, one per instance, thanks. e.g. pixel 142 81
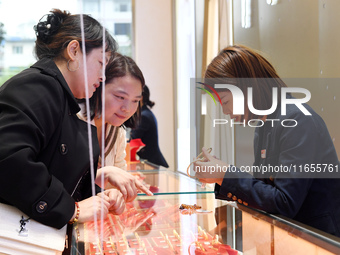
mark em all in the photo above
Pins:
pixel 146 97
pixel 119 66
pixel 54 31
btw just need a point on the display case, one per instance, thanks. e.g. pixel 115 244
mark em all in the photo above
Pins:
pixel 142 165
pixel 257 232
pixel 164 182
pixel 185 218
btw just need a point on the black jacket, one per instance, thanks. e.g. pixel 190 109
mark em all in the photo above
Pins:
pixel 44 151
pixel 310 198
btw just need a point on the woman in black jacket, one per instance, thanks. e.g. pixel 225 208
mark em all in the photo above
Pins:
pixel 44 148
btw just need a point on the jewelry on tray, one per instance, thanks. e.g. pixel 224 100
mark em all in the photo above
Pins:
pixel 193 207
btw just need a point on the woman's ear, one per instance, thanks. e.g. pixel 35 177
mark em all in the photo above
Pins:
pixel 73 48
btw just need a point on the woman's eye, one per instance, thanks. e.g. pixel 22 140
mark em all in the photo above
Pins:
pixel 224 103
pixel 119 97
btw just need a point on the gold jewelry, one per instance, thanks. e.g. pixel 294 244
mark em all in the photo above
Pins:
pixel 68 66
pixel 200 157
pixel 77 215
pixel 77 232
pixel 192 207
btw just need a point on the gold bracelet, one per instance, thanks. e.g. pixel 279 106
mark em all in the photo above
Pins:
pixel 77 215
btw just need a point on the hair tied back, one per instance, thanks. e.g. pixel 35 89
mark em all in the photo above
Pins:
pixel 48 25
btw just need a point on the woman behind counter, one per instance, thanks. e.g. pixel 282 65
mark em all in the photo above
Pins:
pixel 44 148
pixel 313 201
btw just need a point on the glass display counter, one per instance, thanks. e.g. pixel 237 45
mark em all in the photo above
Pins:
pixel 164 182
pixel 184 218
pixel 156 225
pixel 142 165
pixel 256 232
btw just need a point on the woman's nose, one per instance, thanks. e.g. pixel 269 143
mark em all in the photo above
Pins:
pixel 126 107
pixel 102 78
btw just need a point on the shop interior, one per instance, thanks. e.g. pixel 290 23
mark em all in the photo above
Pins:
pixel 173 41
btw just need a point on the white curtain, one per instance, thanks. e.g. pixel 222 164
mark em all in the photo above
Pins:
pixel 217 35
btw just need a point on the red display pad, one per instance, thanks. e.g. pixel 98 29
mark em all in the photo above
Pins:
pixel 154 230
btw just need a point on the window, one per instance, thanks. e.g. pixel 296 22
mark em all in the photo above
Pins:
pixel 91 6
pixel 123 8
pixel 122 29
pixel 17 47
pixel 122 5
pixel 17 50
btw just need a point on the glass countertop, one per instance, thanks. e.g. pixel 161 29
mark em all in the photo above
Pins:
pixel 168 182
pixel 162 181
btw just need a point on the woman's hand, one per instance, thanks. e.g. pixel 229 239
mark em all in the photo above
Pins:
pixel 211 169
pixel 123 181
pixel 110 200
pixel 115 199
pixel 92 206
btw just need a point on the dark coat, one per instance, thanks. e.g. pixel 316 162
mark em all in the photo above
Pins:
pixel 308 198
pixel 44 151
pixel 147 131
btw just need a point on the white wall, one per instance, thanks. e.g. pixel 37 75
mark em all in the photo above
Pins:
pixel 154 51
